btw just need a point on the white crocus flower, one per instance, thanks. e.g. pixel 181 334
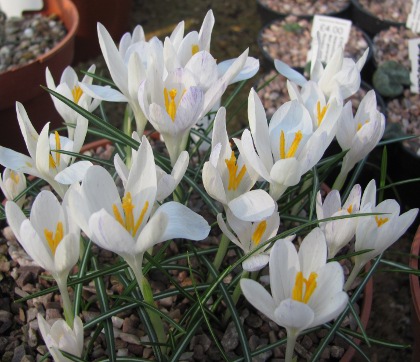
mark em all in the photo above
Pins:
pixel 130 225
pixel 250 235
pixel 340 77
pixel 377 233
pixel 50 237
pixel 43 161
pixel 305 290
pixel 60 336
pixel 166 183
pixel 358 135
pixel 12 184
pixel 339 232
pixel 285 149
pixel 69 87
pixel 227 179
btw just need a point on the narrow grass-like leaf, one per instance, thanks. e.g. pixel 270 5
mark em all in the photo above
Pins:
pixel 82 271
pixel 382 181
pixel 359 323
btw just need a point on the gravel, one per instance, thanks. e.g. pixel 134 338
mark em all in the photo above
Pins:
pixel 391 10
pixel 306 7
pixel 290 39
pixel 26 38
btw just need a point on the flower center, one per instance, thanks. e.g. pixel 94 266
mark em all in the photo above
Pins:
pixel 56 162
pixel 320 113
pixel 128 220
pixel 258 232
pixel 14 176
pixel 54 240
pixel 77 93
pixel 293 147
pixel 195 49
pixel 360 125
pixel 234 178
pixel 381 220
pixel 304 288
pixel 170 104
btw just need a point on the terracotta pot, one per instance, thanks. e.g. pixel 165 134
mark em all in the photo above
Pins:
pixel 23 83
pixel 113 14
pixel 415 295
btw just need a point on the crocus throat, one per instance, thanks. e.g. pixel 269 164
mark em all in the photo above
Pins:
pixel 54 240
pixel 170 104
pixel 234 178
pixel 76 93
pixel 56 162
pixel 259 232
pixel 128 220
pixel 304 288
pixel 320 113
pixel 195 49
pixel 293 147
pixel 14 176
pixel 360 125
pixel 381 220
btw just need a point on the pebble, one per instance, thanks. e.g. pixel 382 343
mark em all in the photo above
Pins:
pixel 230 339
pixel 28 37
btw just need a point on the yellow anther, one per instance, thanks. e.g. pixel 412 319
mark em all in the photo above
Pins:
pixel 294 146
pixel 195 49
pixel 381 220
pixel 170 104
pixel 128 220
pixel 54 240
pixel 258 232
pixel 234 180
pixel 320 113
pixel 52 162
pixel 76 93
pixel 350 209
pixel 298 293
pixel 360 125
pixel 14 176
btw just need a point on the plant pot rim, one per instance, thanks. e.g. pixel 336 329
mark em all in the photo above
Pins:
pixel 414 279
pixel 268 57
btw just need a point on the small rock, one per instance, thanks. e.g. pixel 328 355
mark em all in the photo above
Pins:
pixel 6 321
pixel 254 321
pixel 18 353
pixel 230 339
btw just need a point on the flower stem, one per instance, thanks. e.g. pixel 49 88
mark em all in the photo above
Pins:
pixel 221 252
pixel 67 304
pixel 290 346
pixel 352 276
pixel 235 296
pixel 340 180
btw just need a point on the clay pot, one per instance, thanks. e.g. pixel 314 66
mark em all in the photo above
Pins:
pixel 113 14
pixel 415 295
pixel 23 83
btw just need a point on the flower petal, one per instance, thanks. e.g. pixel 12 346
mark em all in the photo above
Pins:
pixel 254 205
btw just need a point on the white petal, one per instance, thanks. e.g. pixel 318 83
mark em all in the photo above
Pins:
pixel 74 173
pixel 104 93
pixel 254 205
pixel 255 262
pixel 18 162
pixel 312 252
pixel 258 297
pixel 289 72
pixel 294 315
pixel 67 253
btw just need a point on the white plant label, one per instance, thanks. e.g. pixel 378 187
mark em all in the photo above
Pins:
pixel 16 7
pixel 333 33
pixel 413 20
pixel 414 54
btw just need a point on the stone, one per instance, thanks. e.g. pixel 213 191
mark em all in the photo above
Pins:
pixel 230 339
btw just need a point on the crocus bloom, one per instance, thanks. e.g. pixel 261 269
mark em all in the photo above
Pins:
pixel 358 135
pixel 338 232
pixel 50 237
pixel 174 105
pixel 285 149
pixel 305 290
pixel 130 225
pixel 12 184
pixel 60 336
pixel 227 179
pixel 69 87
pixel 250 235
pixel 43 161
pixel 378 232
pixel 340 77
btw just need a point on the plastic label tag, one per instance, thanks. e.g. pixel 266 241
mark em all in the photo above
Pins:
pixel 16 7
pixel 413 20
pixel 333 33
pixel 414 54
